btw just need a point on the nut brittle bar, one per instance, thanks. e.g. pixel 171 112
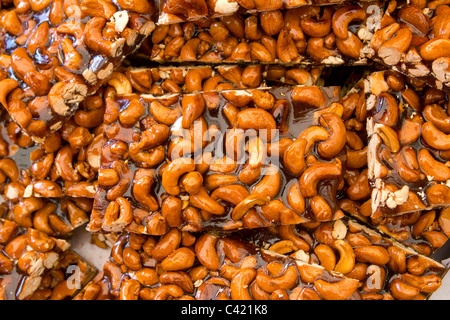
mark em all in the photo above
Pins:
pixel 407 151
pixel 324 35
pixel 208 267
pixel 385 268
pixel 411 38
pixel 51 186
pixel 35 266
pixel 425 231
pixel 229 160
pixel 55 53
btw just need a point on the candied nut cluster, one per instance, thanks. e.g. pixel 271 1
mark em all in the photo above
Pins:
pixel 224 149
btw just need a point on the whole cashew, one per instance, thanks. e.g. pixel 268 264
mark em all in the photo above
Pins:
pixel 203 201
pixel 167 244
pixel 351 47
pixel 271 211
pixel 141 192
pixel 341 290
pixel 286 49
pixel 431 167
pixel 373 254
pixel 233 193
pixel 181 259
pixel 434 49
pixel 194 78
pixel 10 169
pixel 295 199
pixel 270 184
pixel 213 181
pixel 257 119
pixel 402 291
pixel 249 175
pixel 313 135
pixel 346 261
pixel 414 16
pixel 343 17
pixel 389 110
pixel 438 117
pixel 129 290
pixel 40 220
pixel 320 27
pixel 205 249
pixel 317 51
pixel 6 86
pixel 257 152
pixel 326 256
pixel 132 259
pixel 299 239
pixel 410 130
pixel 25 208
pixel 164 114
pixel 286 281
pixel 321 209
pixel 39 241
pixel 248 202
pixel 16 247
pixel 311 96
pixel 178 278
pixel 239 286
pixel 435 137
pixel 193 107
pixel 173 172
pixel 315 173
pixel 168 290
pixel 426 283
pixel 7 231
